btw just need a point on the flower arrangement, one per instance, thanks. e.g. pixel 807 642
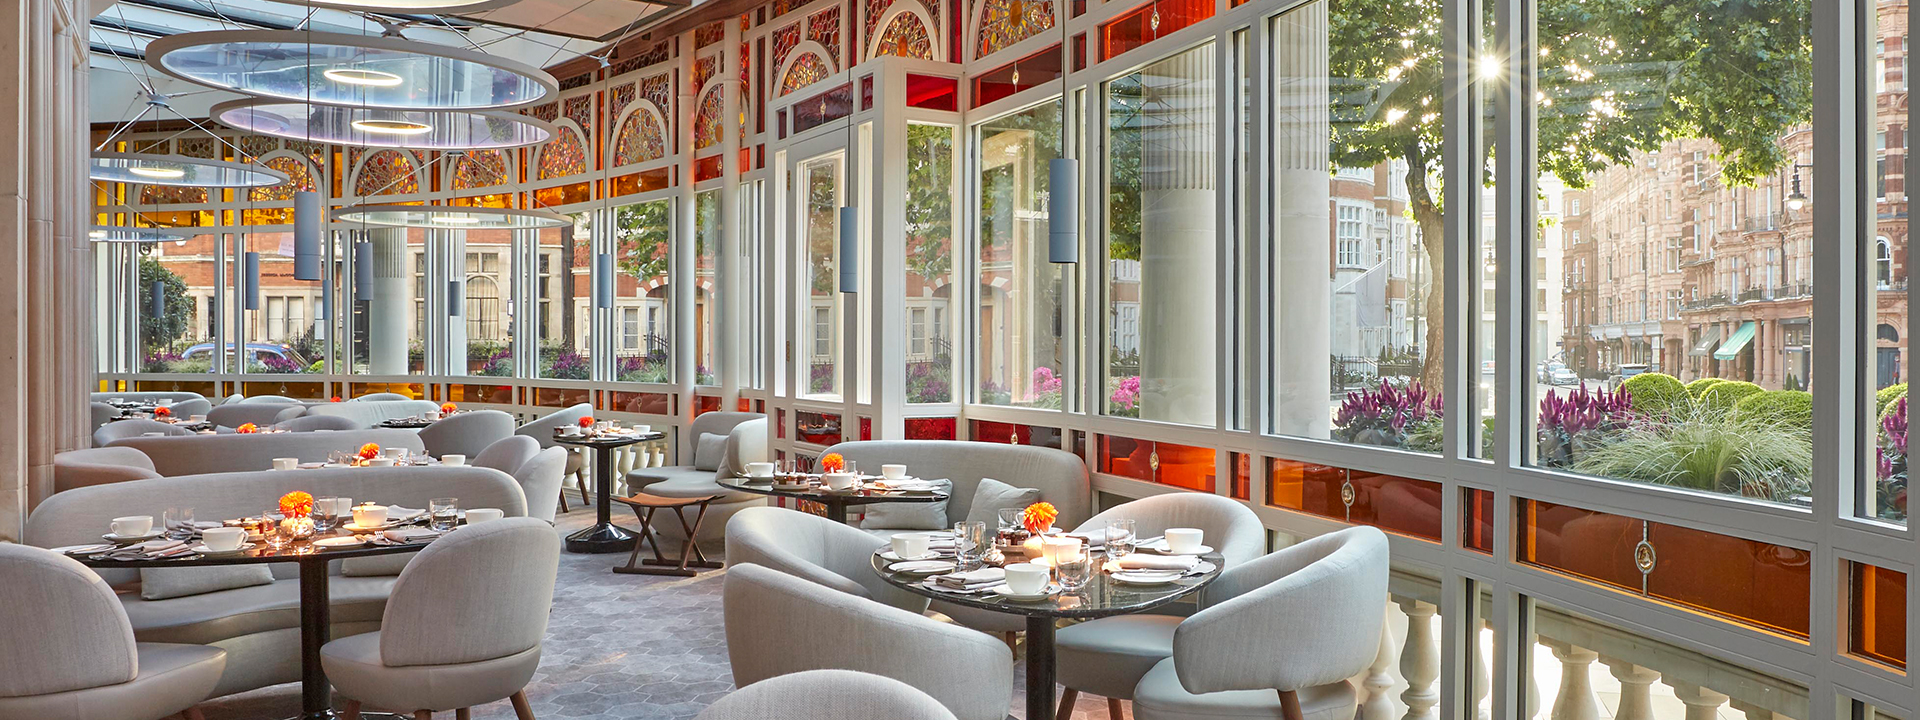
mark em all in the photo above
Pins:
pixel 1126 396
pixel 247 429
pixel 296 504
pixel 586 422
pixel 833 463
pixel 369 451
pixel 1381 416
pixel 449 409
pixel 1580 421
pixel 1038 517
pixel 335 398
pixel 1891 462
pixel 163 411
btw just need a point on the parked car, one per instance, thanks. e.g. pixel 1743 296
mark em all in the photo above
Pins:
pixel 256 353
pixel 1627 370
pixel 1563 376
pixel 1543 372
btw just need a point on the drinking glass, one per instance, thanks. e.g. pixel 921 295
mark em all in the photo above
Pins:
pixel 853 468
pixel 445 513
pixel 969 543
pixel 271 531
pixel 178 522
pixel 326 514
pixel 339 457
pixel 1009 523
pixel 1120 537
pixel 1075 568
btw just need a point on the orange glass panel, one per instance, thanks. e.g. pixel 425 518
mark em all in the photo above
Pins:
pixel 564 194
pixel 469 392
pixel 817 428
pixel 655 179
pixel 743 405
pixel 1877 614
pixel 1395 504
pixel 1149 22
pixel 780 423
pixel 640 402
pixel 1014 433
pixel 1031 71
pixel 932 428
pixel 1242 475
pixel 1476 520
pixel 1747 581
pixel 1158 462
pixel 412 390
pixel 703 404
pixel 289 389
pixel 560 397
pixel 706 168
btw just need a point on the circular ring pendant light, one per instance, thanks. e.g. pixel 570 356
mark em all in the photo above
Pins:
pixel 365 127
pixel 117 234
pixel 376 72
pixel 149 169
pixel 450 217
pixel 406 6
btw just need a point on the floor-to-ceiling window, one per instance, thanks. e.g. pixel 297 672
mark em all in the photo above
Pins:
pixel 820 188
pixel 1020 351
pixel 566 286
pixel 642 292
pixel 931 191
pixel 706 279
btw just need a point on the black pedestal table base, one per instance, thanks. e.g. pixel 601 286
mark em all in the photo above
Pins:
pixel 1039 667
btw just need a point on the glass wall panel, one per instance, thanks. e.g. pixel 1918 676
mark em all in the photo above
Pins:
pixel 706 243
pixel 284 334
pixel 1161 266
pixel 1886 285
pixel 490 289
pixel 642 293
pixel 929 259
pixel 564 264
pixel 1021 348
pixel 1684 248
pixel 752 276
pixel 820 316
pixel 180 337
pixel 1358 328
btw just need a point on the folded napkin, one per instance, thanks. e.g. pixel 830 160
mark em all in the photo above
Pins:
pixel 1137 561
pixel 407 535
pixel 972 579
pixel 395 513
pixel 152 549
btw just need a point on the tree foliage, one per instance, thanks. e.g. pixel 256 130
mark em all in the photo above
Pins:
pixel 930 191
pixel 643 234
pixel 161 331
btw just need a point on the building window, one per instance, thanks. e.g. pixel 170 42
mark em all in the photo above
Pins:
pixel 1883 262
pixel 1348 233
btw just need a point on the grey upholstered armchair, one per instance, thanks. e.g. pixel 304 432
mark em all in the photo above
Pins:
pixel 466 433
pixel 815 549
pixel 827 695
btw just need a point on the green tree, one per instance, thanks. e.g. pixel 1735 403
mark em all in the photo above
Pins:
pixel 930 190
pixel 1616 76
pixel 643 236
pixel 160 331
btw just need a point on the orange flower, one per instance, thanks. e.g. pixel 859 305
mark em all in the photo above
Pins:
pixel 247 429
pixel 1038 517
pixel 833 463
pixel 335 398
pixel 369 451
pixel 586 422
pixel 296 504
pixel 162 412
pixel 449 408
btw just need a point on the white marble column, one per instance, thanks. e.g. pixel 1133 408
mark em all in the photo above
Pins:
pixel 1636 685
pixel 1702 704
pixel 390 312
pixel 1420 662
pixel 1574 700
pixel 1179 269
pixel 46 351
pixel 1301 197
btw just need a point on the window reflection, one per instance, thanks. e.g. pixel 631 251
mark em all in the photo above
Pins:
pixel 1021 349
pixel 820 324
pixel 642 292
pixel 929 260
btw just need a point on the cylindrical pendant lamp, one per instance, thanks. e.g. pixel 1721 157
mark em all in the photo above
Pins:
pixel 251 279
pixel 849 249
pixel 456 298
pixel 157 302
pixel 1063 210
pixel 603 290
pixel 307 224
pixel 363 270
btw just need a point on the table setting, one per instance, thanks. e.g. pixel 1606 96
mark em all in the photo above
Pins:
pixel 372 455
pixel 300 524
pixel 164 414
pixel 415 422
pixel 837 486
pixel 603 437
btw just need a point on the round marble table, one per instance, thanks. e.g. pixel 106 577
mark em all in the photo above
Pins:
pixel 835 501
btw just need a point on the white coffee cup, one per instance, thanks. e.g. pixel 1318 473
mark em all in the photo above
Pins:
pixel 893 472
pixel 1184 541
pixel 1026 578
pixel 223 539
pixel 839 481
pixel 197 418
pixel 760 469
pixel 909 545
pixel 164 402
pixel 286 463
pixel 341 506
pixel 132 525
pixel 480 515
pixel 432 415
pixel 453 460
pixel 369 515
pixel 381 462
pixel 642 429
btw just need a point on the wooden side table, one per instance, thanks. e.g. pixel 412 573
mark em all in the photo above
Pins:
pixel 644 507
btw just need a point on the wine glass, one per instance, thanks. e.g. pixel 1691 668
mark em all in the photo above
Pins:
pixel 1120 537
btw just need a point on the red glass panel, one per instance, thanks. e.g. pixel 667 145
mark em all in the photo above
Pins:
pixel 703 404
pixel 1031 71
pixel 1242 476
pixel 412 390
pixel 783 124
pixel 559 397
pixel 641 402
pixel 496 394
pixel 932 428
pixel 743 405
pixel 706 168
pixel 1158 462
pixel 933 92
pixel 1149 22
pixel 780 423
pixel 866 92
pixel 1877 614
pixel 1476 520
pixel 823 108
pixel 1080 51
pixel 1395 504
pixel 817 428
pixel 1013 433
pixel 1746 581
pixel 866 428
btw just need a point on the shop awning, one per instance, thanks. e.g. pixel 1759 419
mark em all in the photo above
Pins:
pixel 1708 338
pixel 1735 342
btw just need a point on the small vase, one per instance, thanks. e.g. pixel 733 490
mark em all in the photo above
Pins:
pixel 298 528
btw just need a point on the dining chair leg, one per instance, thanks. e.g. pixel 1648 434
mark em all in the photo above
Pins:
pixel 563 500
pixel 353 710
pixel 1116 709
pixel 521 708
pixel 1290 705
pixel 1013 642
pixel 1067 699
pixel 463 714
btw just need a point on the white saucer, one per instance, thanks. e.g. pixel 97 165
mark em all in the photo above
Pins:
pixel 341 542
pixel 151 534
pixel 1146 577
pixel 801 487
pixel 892 556
pixel 1160 548
pixel 922 567
pixel 1008 593
pixel 204 550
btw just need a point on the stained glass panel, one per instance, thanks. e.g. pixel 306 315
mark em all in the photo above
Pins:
pixel 1005 22
pixel 622 97
pixel 707 121
pixel 563 156
pixel 709 34
pixel 580 110
pixel 298 178
pixel 824 27
pixel 257 145
pixel 784 40
pixel 907 37
pixel 807 70
pixel 205 148
pixel 480 169
pixel 658 89
pixel 386 172
pixel 171 194
pixel 703 70
pixel 871 20
pixel 641 139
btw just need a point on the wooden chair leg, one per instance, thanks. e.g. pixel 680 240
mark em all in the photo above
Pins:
pixel 463 714
pixel 521 708
pixel 1290 705
pixel 563 500
pixel 1116 709
pixel 353 710
pixel 1013 642
pixel 1067 699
